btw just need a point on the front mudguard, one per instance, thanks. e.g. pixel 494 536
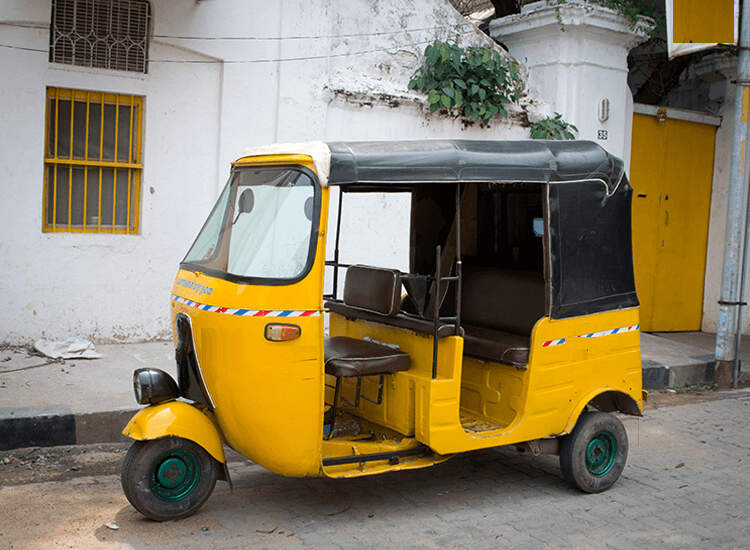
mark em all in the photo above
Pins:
pixel 180 419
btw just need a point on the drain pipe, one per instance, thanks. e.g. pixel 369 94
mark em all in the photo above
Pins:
pixel 736 364
pixel 726 341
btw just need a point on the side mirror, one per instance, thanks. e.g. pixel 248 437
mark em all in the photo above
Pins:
pixel 246 203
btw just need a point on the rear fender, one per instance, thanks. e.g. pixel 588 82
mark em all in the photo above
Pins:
pixel 607 400
pixel 180 419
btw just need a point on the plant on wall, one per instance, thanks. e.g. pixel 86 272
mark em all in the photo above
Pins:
pixel 553 128
pixel 475 83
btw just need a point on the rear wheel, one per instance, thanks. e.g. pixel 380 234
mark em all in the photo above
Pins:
pixel 593 456
pixel 168 478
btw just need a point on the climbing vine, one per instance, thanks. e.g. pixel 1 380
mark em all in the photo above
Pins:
pixel 553 128
pixel 475 83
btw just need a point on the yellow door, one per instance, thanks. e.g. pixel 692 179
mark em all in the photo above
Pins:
pixel 671 171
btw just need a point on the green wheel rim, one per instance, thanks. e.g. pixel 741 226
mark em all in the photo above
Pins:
pixel 601 453
pixel 175 475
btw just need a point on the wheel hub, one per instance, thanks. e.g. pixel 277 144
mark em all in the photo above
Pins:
pixel 175 475
pixel 601 452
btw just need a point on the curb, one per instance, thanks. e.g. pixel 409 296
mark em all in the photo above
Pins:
pixel 658 377
pixel 50 426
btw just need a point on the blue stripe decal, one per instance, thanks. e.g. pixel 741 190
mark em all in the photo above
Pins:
pixel 241 311
pixel 285 313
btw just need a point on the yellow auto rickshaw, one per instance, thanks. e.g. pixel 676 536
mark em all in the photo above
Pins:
pixel 517 323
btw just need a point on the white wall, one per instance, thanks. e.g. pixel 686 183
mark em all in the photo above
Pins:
pixel 205 100
pixel 576 55
pixel 111 287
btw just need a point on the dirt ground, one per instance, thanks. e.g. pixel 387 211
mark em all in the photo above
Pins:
pixel 50 464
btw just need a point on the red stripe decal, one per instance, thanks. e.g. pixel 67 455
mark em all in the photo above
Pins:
pixel 262 313
pixel 307 313
pixel 221 310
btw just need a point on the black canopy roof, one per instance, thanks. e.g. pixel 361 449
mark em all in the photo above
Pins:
pixel 385 163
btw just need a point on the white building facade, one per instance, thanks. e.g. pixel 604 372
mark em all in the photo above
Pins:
pixel 219 76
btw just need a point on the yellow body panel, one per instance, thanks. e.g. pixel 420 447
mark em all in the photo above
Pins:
pixel 497 404
pixel 180 419
pixel 702 21
pixel 671 174
pixel 268 395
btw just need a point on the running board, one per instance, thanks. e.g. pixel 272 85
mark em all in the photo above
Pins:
pixel 392 457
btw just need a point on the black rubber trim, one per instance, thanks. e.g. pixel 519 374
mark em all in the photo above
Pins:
pixel 336 460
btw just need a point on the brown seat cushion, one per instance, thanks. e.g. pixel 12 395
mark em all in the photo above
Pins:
pixel 351 357
pixel 373 289
pixel 502 299
pixel 499 310
pixel 496 346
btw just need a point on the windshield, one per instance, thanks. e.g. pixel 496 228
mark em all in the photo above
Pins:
pixel 261 226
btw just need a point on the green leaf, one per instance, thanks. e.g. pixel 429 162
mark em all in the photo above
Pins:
pixel 446 101
pixel 447 90
pixel 459 98
pixel 434 107
pixel 460 83
pixel 433 97
pixel 482 94
pixel 432 56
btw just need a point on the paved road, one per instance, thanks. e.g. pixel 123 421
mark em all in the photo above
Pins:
pixel 687 485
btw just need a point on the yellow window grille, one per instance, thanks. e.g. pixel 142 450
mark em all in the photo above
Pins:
pixel 92 162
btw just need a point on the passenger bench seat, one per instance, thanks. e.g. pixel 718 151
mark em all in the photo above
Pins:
pixel 499 308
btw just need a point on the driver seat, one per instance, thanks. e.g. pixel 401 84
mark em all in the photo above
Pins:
pixel 375 290
pixel 348 357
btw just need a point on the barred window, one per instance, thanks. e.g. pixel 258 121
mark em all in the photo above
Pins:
pixel 107 34
pixel 92 162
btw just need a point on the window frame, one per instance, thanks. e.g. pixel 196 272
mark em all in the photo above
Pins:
pixel 134 163
pixel 265 281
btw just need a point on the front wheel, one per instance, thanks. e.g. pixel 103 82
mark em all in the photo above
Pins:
pixel 593 455
pixel 168 478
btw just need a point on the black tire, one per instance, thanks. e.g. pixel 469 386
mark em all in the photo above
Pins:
pixel 168 478
pixel 593 455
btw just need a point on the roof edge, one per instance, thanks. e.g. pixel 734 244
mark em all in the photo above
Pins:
pixel 317 150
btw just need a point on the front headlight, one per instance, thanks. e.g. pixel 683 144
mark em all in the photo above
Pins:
pixel 152 386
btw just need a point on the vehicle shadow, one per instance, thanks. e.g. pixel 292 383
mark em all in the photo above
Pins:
pixel 264 505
